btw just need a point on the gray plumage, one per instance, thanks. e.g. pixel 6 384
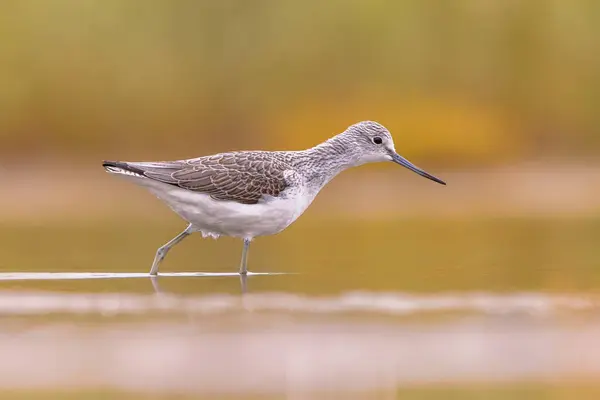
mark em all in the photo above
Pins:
pixel 244 177
pixel 256 193
pixel 247 176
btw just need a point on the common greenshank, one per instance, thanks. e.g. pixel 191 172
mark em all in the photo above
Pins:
pixel 247 194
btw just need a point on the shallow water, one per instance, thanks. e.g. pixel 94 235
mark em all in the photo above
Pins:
pixel 334 309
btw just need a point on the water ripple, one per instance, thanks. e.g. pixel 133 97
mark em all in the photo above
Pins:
pixel 35 302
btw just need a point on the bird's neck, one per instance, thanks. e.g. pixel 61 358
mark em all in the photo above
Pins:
pixel 320 164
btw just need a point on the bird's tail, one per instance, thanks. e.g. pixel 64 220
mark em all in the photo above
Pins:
pixel 120 167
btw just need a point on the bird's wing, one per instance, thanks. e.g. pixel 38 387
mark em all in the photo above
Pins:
pixel 243 177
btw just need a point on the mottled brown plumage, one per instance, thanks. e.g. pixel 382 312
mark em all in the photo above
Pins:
pixel 244 177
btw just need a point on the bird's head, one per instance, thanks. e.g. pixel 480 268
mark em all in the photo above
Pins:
pixel 372 142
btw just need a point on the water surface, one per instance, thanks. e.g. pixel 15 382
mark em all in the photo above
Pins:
pixel 429 309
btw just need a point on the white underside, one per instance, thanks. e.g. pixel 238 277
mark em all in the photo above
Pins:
pixel 216 217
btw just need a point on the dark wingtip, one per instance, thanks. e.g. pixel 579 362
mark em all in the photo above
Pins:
pixel 122 165
pixel 107 163
pixel 115 164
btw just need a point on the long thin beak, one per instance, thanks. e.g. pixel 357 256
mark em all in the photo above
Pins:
pixel 398 159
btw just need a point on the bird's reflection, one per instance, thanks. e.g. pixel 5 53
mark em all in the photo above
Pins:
pixel 157 289
pixel 243 284
pixel 155 285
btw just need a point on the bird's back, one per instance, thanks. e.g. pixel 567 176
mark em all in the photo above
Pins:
pixel 244 176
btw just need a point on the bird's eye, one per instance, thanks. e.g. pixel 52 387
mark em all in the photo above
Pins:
pixel 377 140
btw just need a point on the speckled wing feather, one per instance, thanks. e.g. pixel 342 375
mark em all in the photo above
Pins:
pixel 244 177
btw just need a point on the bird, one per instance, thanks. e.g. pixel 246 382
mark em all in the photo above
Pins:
pixel 248 194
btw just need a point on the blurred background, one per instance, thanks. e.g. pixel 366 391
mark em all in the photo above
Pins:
pixel 498 98
pixel 464 85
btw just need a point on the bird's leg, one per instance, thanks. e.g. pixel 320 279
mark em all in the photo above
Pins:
pixel 163 250
pixel 244 262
